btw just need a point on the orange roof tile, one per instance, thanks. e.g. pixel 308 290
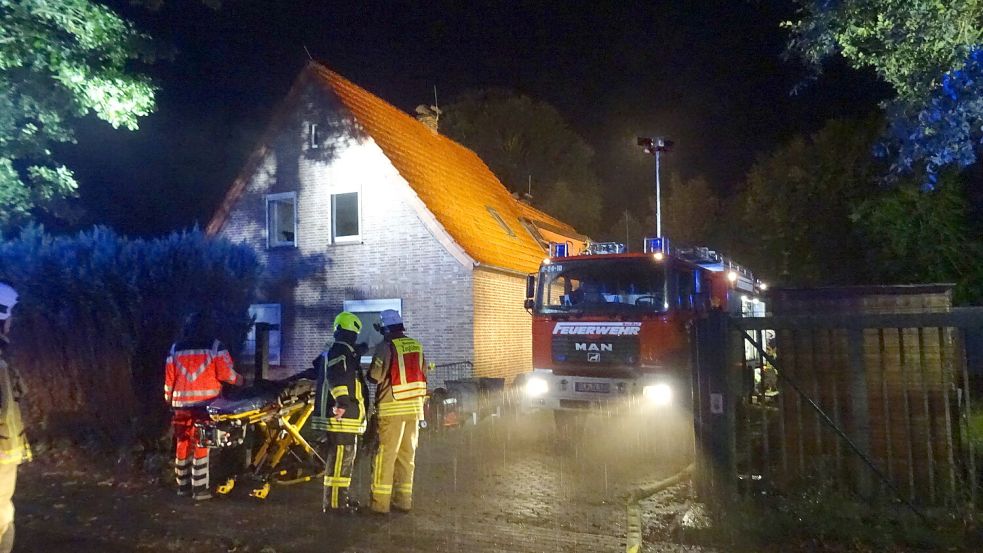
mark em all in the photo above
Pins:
pixel 539 216
pixel 456 186
pixel 453 183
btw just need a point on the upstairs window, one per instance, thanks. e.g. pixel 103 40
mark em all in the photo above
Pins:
pixel 345 217
pixel 315 137
pixel 281 219
pixel 498 218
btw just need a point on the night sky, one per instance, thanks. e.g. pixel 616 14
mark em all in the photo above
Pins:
pixel 708 74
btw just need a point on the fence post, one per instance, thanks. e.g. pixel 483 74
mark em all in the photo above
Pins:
pixel 714 413
pixel 859 409
pixel 262 361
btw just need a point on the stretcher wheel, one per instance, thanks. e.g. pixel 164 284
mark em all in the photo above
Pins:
pixel 261 492
pixel 226 488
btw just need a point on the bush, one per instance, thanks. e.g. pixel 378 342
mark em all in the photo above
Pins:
pixel 97 316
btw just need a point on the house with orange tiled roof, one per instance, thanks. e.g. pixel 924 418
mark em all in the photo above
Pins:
pixel 352 204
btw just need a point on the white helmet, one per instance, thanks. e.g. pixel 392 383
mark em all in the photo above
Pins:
pixel 390 317
pixel 8 299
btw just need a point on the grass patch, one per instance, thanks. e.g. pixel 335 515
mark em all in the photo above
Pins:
pixel 821 518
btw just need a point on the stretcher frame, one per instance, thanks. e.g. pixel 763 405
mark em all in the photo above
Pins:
pixel 278 425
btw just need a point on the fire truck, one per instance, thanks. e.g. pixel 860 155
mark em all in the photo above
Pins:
pixel 609 328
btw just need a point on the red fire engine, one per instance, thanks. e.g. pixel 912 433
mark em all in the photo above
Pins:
pixel 609 327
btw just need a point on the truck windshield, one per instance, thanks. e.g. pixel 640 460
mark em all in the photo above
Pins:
pixel 602 286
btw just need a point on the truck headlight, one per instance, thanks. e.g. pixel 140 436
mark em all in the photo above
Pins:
pixel 658 394
pixel 536 387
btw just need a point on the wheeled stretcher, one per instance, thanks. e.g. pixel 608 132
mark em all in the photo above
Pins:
pixel 266 420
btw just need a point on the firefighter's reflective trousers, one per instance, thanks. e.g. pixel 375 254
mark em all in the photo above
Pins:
pixel 395 460
pixel 190 461
pixel 8 479
pixel 340 460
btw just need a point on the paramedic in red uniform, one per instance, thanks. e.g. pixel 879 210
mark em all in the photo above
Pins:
pixel 398 369
pixel 196 368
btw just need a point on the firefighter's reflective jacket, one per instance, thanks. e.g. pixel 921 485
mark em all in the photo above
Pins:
pixel 398 367
pixel 14 448
pixel 195 372
pixel 339 383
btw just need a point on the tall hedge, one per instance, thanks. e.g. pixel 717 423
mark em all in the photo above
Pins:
pixel 97 314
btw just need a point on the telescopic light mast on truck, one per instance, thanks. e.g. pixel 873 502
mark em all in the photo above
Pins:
pixel 609 327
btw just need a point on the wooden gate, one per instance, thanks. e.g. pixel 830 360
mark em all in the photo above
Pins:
pixel 873 401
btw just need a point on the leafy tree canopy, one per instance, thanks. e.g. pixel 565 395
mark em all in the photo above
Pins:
pixel 690 211
pixel 915 237
pixel 60 60
pixel 798 202
pixel 928 50
pixel 525 140
pixel 628 230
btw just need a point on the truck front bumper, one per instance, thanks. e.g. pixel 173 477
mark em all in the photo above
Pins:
pixel 542 389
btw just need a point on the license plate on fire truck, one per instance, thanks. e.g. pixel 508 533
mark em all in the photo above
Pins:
pixel 592 387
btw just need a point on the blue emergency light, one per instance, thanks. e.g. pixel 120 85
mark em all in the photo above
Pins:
pixel 657 244
pixel 559 249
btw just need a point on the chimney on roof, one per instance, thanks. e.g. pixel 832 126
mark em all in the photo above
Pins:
pixel 523 197
pixel 429 116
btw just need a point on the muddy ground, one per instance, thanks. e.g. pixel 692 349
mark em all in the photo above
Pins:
pixel 500 485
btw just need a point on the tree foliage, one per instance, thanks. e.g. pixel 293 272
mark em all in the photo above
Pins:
pixel 627 229
pixel 690 211
pixel 928 50
pixel 60 60
pixel 814 212
pixel 915 237
pixel 798 201
pixel 525 140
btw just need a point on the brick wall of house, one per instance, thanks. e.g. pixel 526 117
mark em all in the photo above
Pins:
pixel 502 326
pixel 396 256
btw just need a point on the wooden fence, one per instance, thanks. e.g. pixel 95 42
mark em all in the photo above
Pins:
pixel 875 401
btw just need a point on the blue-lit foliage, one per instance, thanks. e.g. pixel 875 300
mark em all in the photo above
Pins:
pixel 928 51
pixel 99 311
pixel 945 130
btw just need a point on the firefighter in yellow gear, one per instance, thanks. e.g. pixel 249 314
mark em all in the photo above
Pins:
pixel 339 410
pixel 14 448
pixel 398 370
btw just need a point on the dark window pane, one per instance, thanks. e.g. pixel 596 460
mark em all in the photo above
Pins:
pixel 282 222
pixel 345 214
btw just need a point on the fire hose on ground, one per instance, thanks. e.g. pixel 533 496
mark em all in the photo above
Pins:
pixel 633 543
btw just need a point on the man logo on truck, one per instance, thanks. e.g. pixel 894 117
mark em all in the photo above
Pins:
pixel 594 347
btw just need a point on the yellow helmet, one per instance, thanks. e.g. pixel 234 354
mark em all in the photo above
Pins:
pixel 347 321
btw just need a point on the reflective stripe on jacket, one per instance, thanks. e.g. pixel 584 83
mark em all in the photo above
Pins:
pixel 397 366
pixel 14 448
pixel 195 372
pixel 339 384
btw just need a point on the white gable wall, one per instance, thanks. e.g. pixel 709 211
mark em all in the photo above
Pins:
pixel 397 256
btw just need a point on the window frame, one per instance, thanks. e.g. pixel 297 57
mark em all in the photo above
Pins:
pixel 279 197
pixel 249 346
pixel 351 239
pixel 501 221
